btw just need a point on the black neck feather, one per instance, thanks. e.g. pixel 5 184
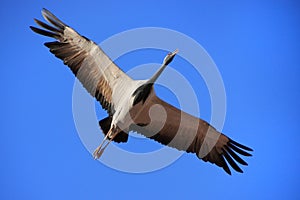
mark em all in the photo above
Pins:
pixel 142 93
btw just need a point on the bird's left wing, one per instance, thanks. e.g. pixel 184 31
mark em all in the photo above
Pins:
pixel 172 127
pixel 95 70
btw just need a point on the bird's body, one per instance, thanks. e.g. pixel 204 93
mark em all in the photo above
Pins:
pixel 132 105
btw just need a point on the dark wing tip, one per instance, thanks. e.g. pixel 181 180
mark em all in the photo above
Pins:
pixel 224 165
pixel 227 170
pixel 232 162
pixel 53 19
pixel 240 145
pixel 32 28
pixel 231 151
pixel 43 32
pixel 45 10
pixel 234 155
pixel 50 31
pixel 238 150
pixel 47 27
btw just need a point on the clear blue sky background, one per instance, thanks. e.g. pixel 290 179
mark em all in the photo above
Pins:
pixel 255 45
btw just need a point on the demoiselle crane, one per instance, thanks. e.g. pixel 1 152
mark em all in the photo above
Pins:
pixel 132 105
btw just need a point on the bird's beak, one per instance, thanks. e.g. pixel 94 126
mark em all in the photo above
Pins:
pixel 175 52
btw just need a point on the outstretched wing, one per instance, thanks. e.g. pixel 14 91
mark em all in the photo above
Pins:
pixel 95 70
pixel 172 127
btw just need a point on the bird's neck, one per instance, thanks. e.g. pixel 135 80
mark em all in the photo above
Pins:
pixel 157 74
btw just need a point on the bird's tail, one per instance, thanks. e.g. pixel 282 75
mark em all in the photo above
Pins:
pixel 105 126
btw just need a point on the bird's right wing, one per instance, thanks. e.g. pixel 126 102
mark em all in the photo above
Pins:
pixel 95 70
pixel 172 127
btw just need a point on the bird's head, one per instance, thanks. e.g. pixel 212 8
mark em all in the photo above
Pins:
pixel 170 57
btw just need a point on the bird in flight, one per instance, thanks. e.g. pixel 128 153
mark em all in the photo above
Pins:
pixel 132 105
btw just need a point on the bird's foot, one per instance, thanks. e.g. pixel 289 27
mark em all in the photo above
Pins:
pixel 98 152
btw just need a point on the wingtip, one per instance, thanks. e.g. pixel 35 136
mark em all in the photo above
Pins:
pixel 235 156
pixel 45 13
pixel 52 19
pixel 34 29
pixel 35 20
pixel 44 10
pixel 231 162
pixel 227 170
pixel 240 145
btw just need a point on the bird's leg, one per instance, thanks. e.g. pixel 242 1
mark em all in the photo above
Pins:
pixel 96 152
pixel 99 150
pixel 105 138
pixel 99 153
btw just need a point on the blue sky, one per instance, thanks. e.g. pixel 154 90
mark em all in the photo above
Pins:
pixel 255 45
